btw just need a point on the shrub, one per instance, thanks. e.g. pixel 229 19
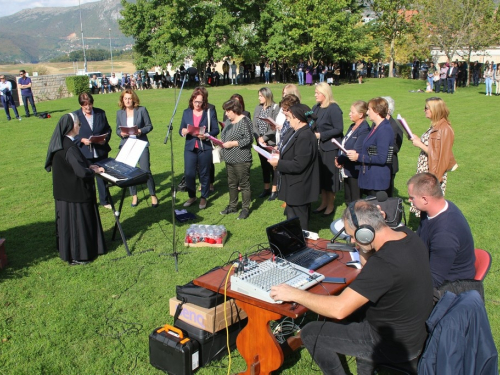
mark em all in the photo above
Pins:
pixel 77 84
pixel 404 71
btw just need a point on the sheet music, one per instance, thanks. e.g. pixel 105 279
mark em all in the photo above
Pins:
pixel 131 151
pixel 339 145
pixel 263 152
pixel 406 128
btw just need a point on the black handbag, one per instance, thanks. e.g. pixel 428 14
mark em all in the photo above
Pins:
pixel 182 185
pixel 190 293
pixel 394 211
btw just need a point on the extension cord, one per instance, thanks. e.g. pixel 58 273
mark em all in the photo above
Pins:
pixel 310 235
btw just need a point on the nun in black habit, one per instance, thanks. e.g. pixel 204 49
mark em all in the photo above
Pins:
pixel 79 235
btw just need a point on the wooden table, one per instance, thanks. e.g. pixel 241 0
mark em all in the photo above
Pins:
pixel 256 343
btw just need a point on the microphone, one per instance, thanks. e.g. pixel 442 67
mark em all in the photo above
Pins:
pixel 381 196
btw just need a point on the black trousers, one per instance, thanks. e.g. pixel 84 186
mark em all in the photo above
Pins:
pixel 302 212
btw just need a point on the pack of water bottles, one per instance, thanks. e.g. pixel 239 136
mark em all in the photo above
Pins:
pixel 200 235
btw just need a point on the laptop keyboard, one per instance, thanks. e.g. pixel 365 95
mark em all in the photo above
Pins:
pixel 312 259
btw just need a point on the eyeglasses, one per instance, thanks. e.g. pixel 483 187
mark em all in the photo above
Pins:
pixel 198 103
pixel 2 77
pixel 21 74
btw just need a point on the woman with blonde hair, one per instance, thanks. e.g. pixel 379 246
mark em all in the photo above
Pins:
pixel 329 125
pixel 264 134
pixel 133 114
pixel 436 144
pixel 353 140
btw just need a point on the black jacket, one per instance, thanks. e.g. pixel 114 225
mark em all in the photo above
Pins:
pixel 299 169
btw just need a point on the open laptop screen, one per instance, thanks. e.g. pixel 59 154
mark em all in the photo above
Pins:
pixel 286 238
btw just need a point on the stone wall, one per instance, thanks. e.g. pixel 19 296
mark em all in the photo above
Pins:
pixel 49 87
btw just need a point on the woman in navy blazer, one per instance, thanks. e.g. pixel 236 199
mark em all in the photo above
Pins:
pixel 131 114
pixel 198 149
pixel 353 140
pixel 93 122
pixel 375 172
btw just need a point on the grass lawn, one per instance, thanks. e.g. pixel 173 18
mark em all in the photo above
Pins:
pixel 95 319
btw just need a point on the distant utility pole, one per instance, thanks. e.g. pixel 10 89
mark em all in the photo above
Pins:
pixel 111 50
pixel 83 42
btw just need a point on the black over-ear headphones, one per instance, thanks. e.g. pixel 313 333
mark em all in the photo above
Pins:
pixel 364 234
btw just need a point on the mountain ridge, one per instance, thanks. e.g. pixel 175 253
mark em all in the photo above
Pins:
pixel 40 34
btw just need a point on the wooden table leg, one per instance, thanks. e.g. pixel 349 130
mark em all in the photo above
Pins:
pixel 257 344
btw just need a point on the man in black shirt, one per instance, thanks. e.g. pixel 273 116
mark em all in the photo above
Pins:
pixel 392 298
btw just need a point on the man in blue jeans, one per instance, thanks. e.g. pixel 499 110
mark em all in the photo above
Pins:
pixel 451 75
pixel 380 316
pixel 7 98
pixel 26 93
pixel 300 71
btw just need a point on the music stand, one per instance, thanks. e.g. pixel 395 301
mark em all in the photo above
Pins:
pixel 116 213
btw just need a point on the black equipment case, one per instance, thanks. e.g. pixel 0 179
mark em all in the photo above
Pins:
pixel 171 351
pixel 212 345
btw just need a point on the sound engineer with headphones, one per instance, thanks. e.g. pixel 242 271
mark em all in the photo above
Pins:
pixel 392 298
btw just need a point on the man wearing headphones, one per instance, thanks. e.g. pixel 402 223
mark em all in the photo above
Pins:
pixel 392 298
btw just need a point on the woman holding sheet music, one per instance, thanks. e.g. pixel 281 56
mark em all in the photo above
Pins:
pixel 264 134
pixel 436 144
pixel 132 115
pixel 79 235
pixel 94 125
pixel 197 120
pixel 237 138
pixel 375 155
pixel 297 164
pixel 329 125
pixel 353 140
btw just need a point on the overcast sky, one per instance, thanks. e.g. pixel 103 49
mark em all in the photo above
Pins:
pixel 9 7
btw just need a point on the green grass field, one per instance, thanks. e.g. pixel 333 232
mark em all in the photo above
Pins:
pixel 95 319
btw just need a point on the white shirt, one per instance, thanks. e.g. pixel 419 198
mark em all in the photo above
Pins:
pixel 5 84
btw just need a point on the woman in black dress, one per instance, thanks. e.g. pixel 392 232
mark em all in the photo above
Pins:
pixel 329 125
pixel 79 232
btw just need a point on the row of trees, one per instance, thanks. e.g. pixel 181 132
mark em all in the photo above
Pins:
pixel 173 30
pixel 90 54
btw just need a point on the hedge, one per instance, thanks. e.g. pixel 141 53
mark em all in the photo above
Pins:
pixel 77 84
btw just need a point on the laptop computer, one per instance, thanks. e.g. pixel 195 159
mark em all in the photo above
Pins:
pixel 287 241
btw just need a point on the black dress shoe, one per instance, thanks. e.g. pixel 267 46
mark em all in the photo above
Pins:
pixel 273 196
pixel 265 193
pixel 317 211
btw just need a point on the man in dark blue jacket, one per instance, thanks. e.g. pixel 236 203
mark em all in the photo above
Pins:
pixel 444 230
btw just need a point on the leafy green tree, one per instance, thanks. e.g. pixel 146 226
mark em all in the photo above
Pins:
pixel 172 31
pixel 394 19
pixel 313 29
pixel 455 25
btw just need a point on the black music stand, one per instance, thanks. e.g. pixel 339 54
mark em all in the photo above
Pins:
pixel 116 214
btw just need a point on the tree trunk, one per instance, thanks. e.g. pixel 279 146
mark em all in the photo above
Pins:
pixel 391 62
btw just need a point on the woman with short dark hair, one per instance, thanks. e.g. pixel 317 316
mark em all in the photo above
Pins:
pixel 375 166
pixel 93 122
pixel 198 148
pixel 237 138
pixel 297 165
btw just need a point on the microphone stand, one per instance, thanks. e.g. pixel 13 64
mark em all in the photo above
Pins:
pixel 175 254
